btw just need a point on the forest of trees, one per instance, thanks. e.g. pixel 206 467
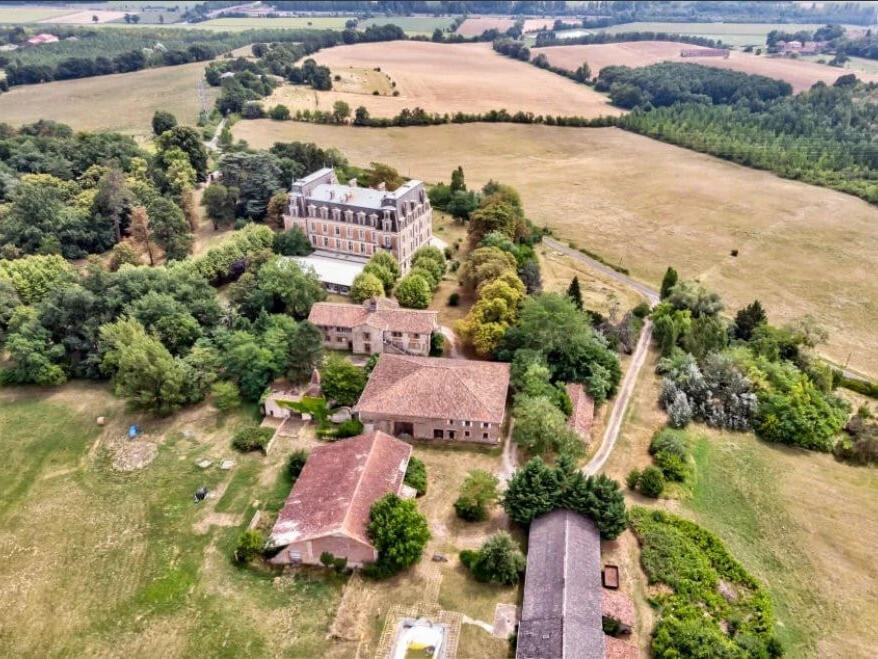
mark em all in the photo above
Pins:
pixel 823 136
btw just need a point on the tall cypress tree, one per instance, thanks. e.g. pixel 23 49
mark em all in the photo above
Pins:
pixel 457 180
pixel 668 282
pixel 574 293
pixel 748 319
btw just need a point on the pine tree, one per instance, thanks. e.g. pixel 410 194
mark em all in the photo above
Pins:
pixel 748 319
pixel 668 282
pixel 574 293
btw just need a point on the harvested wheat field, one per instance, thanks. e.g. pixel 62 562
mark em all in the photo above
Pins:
pixel 801 74
pixel 87 17
pixel 473 27
pixel 123 102
pixel 645 204
pixel 447 78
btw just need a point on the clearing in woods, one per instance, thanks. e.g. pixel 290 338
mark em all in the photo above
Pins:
pixel 123 102
pixel 801 248
pixel 801 74
pixel 446 78
pixel 800 522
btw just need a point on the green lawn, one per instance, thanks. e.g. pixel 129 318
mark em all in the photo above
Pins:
pixel 805 526
pixel 96 560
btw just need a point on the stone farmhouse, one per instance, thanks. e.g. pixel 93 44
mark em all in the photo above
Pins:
pixel 328 508
pixel 377 325
pixel 436 399
pixel 350 221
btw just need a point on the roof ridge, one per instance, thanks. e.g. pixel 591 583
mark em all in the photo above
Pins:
pixel 344 522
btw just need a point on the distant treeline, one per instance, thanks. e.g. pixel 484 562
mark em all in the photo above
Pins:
pixel 550 38
pixel 823 136
pixel 668 83
pixel 420 117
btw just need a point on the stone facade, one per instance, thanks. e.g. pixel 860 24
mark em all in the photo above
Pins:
pixel 450 430
pixel 376 326
pixel 357 222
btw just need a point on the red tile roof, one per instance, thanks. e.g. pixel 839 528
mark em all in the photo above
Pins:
pixel 387 316
pixel 338 485
pixel 617 648
pixel 436 388
pixel 583 410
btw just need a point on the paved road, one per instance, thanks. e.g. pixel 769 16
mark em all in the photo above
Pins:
pixel 649 293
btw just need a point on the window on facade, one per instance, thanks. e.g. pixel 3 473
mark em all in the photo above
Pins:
pixel 485 424
pixel 484 435
pixel 438 433
pixel 450 422
pixel 325 241
pixel 450 434
pixel 396 334
pixel 336 231
pixel 466 433
pixel 467 424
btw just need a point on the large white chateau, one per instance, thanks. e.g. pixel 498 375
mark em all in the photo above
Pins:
pixel 350 222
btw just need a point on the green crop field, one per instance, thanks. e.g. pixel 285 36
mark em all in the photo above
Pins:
pixel 411 24
pixel 137 564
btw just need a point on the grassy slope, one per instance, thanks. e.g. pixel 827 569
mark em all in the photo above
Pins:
pixel 123 102
pixel 802 523
pixel 120 551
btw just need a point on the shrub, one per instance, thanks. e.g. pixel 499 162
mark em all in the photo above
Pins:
pixel 349 428
pixel 279 113
pixel 454 299
pixel 250 545
pixel 414 292
pixel 641 310
pixel 437 344
pixel 226 396
pixel 499 560
pixel 252 438
pixel 341 380
pixel 632 479
pixel 416 476
pixel 478 490
pixel 670 449
pixel 296 463
pixel 366 285
pixel 651 482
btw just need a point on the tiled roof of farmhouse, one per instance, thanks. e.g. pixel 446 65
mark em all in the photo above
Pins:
pixel 561 612
pixel 387 316
pixel 617 648
pixel 338 485
pixel 583 410
pixel 436 388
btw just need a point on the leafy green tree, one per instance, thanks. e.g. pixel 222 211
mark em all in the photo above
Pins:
pixel 532 491
pixel 382 173
pixel 398 532
pixel 123 254
pixel 499 560
pixel 340 112
pixel 169 227
pixel 574 293
pixel 188 140
pixel 696 298
pixel 361 116
pixel 220 202
pixel 143 370
pixel 748 319
pixel 226 396
pixel 413 292
pixel 365 286
pixel 541 427
pixel 494 215
pixel 251 365
pixel 257 176
pixel 457 180
pixel 583 72
pixel 668 282
pixel 34 277
pixel 283 286
pixel 706 334
pixel 460 204
pixel 341 380
pixel 162 121
pixel 33 356
pixel 293 242
pixel 250 544
pixel 477 492
pixel 279 113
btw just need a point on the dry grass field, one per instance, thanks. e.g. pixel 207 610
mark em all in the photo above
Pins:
pixel 123 102
pixel 447 78
pixel 736 34
pixel 473 27
pixel 87 17
pixel 644 204
pixel 802 523
pixel 800 73
pixel 29 13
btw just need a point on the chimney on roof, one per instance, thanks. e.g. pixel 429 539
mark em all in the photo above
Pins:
pixel 353 182
pixel 381 186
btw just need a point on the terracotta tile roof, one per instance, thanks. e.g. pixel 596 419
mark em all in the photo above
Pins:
pixel 436 388
pixel 582 415
pixel 618 605
pixel 387 316
pixel 561 612
pixel 618 648
pixel 338 486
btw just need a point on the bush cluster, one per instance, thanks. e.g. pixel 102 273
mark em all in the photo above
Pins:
pixel 252 438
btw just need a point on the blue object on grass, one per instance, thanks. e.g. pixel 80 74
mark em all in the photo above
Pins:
pixel 133 431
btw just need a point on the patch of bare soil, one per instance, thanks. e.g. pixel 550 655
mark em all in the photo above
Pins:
pixel 133 455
